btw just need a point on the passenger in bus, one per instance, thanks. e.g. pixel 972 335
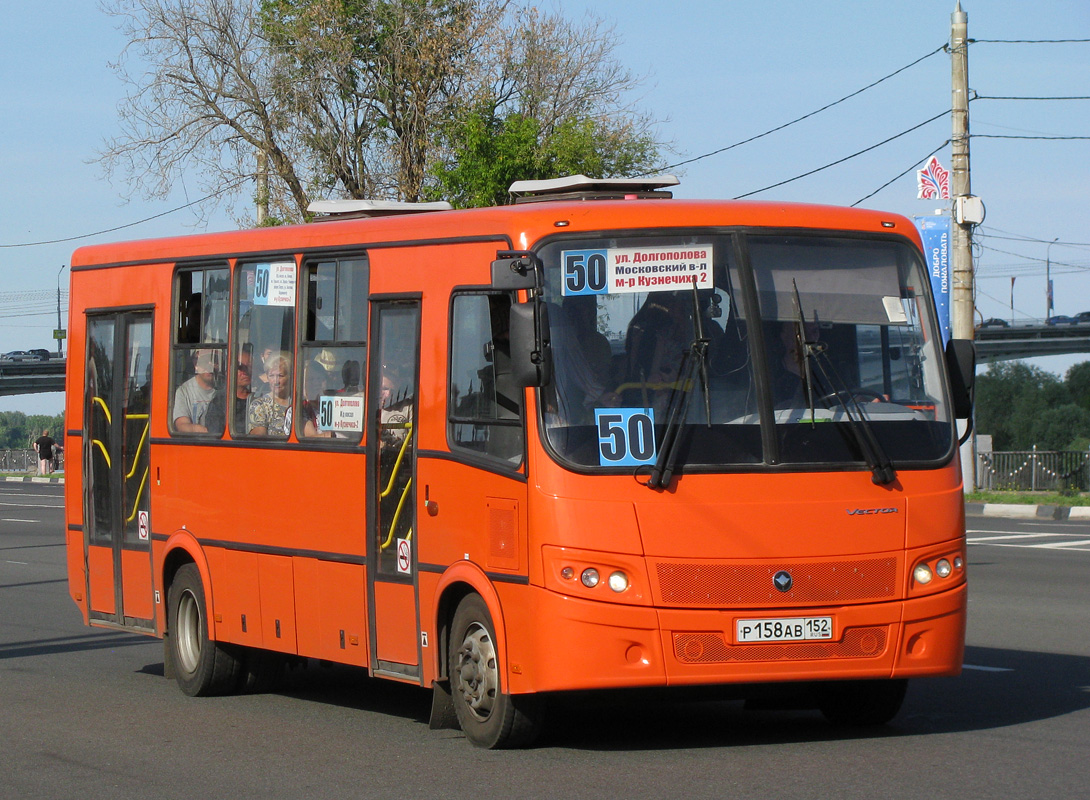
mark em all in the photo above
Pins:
pixel 216 420
pixel 315 381
pixel 260 387
pixel 583 361
pixel 350 377
pixel 789 386
pixel 395 411
pixel 270 415
pixel 657 338
pixel 193 398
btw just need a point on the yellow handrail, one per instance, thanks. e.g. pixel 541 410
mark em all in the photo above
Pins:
pixel 397 515
pixel 105 454
pixel 140 445
pixel 105 408
pixel 139 492
pixel 408 426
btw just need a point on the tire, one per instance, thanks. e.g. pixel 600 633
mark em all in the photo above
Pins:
pixel 489 717
pixel 861 703
pixel 202 666
pixel 260 671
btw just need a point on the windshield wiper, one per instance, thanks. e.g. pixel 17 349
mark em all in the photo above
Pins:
pixel 693 363
pixel 882 471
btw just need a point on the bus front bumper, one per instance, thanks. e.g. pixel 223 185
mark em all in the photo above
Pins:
pixel 589 645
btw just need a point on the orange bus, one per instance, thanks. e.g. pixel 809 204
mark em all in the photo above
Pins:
pixel 600 438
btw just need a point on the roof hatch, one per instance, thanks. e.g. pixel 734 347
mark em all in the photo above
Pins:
pixel 580 187
pixel 328 210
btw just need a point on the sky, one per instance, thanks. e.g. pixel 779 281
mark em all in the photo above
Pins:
pixel 716 72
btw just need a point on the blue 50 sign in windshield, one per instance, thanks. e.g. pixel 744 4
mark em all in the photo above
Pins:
pixel 626 436
pixel 636 269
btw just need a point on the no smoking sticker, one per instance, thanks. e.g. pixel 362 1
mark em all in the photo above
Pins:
pixel 404 557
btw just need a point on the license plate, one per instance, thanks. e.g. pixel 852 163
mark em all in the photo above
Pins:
pixel 789 629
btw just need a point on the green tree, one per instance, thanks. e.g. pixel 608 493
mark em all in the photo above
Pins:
pixel 1022 406
pixel 357 98
pixel 494 152
pixel 1078 384
pixel 1010 396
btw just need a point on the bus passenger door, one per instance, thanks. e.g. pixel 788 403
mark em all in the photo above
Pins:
pixel 117 529
pixel 392 563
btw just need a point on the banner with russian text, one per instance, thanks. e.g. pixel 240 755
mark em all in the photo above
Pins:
pixel 936 233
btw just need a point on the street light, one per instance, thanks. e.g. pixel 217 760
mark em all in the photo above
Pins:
pixel 60 327
pixel 1048 278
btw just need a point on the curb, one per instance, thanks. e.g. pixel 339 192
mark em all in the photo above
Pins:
pixel 31 479
pixel 1019 511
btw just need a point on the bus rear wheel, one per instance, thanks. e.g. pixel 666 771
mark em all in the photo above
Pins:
pixel 859 703
pixel 489 717
pixel 202 666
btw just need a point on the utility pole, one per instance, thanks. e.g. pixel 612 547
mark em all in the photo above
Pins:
pixel 1048 278
pixel 60 325
pixel 262 188
pixel 962 304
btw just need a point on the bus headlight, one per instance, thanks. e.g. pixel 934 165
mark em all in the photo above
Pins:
pixel 618 582
pixel 590 577
pixel 922 574
pixel 943 568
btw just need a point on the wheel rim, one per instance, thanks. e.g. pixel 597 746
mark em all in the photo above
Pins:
pixel 189 632
pixel 477 676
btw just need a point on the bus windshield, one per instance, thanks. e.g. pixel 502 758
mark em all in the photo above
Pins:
pixel 828 342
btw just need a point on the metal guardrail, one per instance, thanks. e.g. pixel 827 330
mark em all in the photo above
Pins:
pixel 27 461
pixel 1034 470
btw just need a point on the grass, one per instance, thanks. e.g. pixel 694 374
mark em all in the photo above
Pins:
pixel 1029 498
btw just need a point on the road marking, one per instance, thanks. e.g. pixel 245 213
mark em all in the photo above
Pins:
pixel 979 668
pixel 23 563
pixel 976 539
pixel 1062 545
pixel 9 519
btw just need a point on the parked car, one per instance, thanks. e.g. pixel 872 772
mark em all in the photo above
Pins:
pixel 20 355
pixel 994 322
pixel 1060 319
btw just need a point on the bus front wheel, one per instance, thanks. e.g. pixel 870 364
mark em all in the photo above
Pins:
pixel 202 666
pixel 489 717
pixel 858 703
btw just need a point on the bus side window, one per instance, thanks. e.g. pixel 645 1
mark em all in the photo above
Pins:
pixel 485 404
pixel 199 350
pixel 265 294
pixel 333 351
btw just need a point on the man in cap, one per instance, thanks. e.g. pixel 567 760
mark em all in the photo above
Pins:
pixel 192 398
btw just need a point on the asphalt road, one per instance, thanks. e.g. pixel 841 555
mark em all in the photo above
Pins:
pixel 87 713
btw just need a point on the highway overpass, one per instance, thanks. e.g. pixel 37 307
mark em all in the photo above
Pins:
pixel 993 343
pixel 31 377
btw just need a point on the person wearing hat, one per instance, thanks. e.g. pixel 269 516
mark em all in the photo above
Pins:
pixel 193 397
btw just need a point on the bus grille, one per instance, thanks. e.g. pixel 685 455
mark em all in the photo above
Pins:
pixel 814 582
pixel 712 648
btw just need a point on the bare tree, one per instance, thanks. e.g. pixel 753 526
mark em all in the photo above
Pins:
pixel 345 97
pixel 205 104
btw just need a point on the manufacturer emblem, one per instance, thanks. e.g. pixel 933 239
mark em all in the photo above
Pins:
pixel 782 581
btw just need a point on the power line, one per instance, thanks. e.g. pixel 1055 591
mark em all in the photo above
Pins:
pixel 1021 237
pixel 225 189
pixel 799 119
pixel 1011 136
pixel 900 175
pixel 1028 41
pixel 999 97
pixel 846 158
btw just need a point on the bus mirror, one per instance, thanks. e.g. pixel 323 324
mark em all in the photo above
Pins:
pixel 531 357
pixel 514 269
pixel 961 363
